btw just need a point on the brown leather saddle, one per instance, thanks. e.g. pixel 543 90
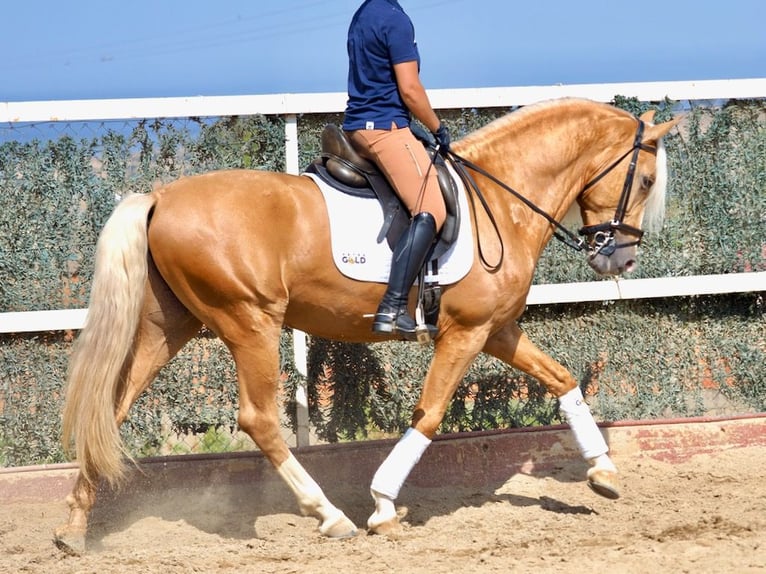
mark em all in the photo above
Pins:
pixel 341 167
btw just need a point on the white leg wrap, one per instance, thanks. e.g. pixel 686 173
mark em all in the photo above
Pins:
pixel 587 434
pixel 390 477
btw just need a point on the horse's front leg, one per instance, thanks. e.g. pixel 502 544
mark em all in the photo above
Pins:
pixel 512 346
pixel 452 356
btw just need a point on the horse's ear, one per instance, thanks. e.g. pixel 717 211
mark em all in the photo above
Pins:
pixel 653 133
pixel 648 116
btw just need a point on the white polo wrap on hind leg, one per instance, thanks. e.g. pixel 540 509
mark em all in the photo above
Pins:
pixel 390 477
pixel 587 434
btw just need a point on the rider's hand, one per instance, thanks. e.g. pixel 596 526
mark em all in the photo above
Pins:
pixel 442 139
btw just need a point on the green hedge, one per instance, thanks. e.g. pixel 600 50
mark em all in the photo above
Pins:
pixel 637 359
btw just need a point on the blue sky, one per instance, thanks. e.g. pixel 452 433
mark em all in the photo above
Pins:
pixel 85 49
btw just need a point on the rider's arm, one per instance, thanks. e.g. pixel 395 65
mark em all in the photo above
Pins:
pixel 414 94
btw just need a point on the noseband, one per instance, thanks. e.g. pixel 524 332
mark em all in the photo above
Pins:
pixel 602 235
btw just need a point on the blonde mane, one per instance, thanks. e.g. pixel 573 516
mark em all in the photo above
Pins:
pixel 522 115
pixel 654 212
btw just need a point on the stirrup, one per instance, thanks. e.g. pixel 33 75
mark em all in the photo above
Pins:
pixel 424 333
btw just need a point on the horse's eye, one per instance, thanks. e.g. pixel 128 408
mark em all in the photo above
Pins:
pixel 647 181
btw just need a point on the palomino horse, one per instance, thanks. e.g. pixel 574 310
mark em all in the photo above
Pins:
pixel 206 250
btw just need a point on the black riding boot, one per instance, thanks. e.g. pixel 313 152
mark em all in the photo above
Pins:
pixel 408 258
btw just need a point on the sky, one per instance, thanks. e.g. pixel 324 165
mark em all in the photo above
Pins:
pixel 84 49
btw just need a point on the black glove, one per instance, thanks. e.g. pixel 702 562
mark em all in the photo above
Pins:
pixel 442 139
pixel 422 134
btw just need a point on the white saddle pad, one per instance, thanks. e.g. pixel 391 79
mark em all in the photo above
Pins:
pixel 354 226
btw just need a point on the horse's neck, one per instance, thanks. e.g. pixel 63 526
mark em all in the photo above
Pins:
pixel 543 166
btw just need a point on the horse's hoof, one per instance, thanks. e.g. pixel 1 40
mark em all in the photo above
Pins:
pixel 604 483
pixel 390 528
pixel 387 523
pixel 341 527
pixel 70 540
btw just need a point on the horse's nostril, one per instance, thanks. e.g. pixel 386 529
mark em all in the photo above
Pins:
pixel 630 266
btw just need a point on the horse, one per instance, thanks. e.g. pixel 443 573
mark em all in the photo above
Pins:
pixel 202 251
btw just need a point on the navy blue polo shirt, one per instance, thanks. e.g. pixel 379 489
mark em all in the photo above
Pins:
pixel 380 35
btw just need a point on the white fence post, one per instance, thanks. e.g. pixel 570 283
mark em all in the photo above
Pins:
pixel 292 165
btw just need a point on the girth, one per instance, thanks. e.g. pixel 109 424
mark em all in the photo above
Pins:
pixel 341 167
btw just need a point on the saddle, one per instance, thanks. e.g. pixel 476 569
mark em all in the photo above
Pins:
pixel 341 167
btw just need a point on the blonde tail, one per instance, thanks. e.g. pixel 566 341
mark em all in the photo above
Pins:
pixel 106 340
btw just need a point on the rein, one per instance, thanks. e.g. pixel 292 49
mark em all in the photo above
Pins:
pixel 602 234
pixel 560 232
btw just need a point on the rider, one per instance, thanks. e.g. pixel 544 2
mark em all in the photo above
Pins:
pixel 384 91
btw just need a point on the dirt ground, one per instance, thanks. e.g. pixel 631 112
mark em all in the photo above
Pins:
pixel 707 514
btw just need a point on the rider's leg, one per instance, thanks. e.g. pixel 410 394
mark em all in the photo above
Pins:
pixel 408 167
pixel 408 259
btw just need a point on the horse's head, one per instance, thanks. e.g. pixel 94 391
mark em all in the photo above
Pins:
pixel 624 197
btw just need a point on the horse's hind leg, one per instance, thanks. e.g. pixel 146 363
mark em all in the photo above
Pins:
pixel 512 346
pixel 256 353
pixel 165 327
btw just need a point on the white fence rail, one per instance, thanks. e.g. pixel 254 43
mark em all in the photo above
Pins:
pixel 294 104
pixel 73 319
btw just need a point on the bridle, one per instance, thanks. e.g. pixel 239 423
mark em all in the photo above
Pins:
pixel 602 236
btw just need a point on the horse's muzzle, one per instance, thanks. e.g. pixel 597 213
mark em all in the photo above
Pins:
pixel 614 259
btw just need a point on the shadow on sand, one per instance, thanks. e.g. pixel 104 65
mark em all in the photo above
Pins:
pixel 226 494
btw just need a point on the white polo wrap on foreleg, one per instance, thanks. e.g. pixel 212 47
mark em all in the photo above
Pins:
pixel 587 434
pixel 390 477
